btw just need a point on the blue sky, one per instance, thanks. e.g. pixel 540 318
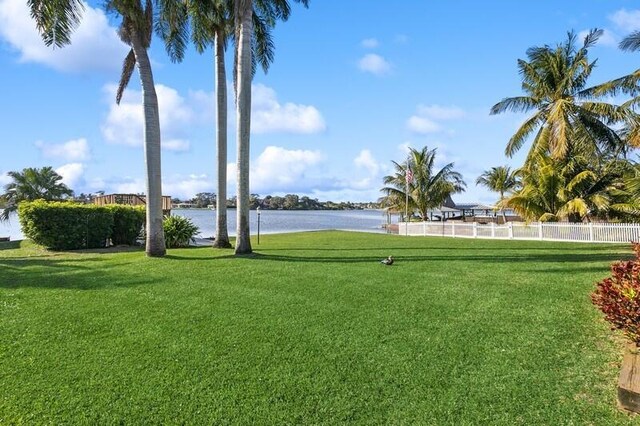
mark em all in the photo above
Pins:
pixel 354 84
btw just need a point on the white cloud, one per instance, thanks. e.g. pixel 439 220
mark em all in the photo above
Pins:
pixel 176 145
pixel 369 43
pixel 438 112
pixel 73 150
pixel 366 161
pixel 608 38
pixel 129 186
pixel 72 174
pixel 627 20
pixel 124 122
pixel 428 117
pixel 405 147
pixel 179 186
pixel 269 116
pixel 375 64
pixel 279 169
pixel 422 125
pixel 186 187
pixel 95 45
pixel 4 179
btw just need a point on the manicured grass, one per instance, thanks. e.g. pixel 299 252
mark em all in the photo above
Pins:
pixel 310 329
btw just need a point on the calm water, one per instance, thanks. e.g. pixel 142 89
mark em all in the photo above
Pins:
pixel 271 221
pixel 278 221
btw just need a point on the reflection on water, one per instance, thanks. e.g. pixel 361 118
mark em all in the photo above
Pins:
pixel 271 221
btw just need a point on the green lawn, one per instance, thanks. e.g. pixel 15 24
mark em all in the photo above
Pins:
pixel 310 329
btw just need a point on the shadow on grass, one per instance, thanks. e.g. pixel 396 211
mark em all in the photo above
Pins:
pixel 552 258
pixel 9 245
pixel 52 273
pixel 598 248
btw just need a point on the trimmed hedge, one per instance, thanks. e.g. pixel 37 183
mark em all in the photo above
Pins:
pixel 59 225
pixel 127 223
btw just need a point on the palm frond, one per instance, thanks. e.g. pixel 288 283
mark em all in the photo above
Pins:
pixel 128 66
pixel 56 19
pixel 631 42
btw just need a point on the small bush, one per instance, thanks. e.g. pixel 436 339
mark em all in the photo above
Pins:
pixel 618 297
pixel 127 223
pixel 65 226
pixel 179 231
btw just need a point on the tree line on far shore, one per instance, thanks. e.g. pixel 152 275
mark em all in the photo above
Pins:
pixel 276 202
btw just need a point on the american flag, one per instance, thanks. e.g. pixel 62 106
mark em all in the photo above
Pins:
pixel 409 175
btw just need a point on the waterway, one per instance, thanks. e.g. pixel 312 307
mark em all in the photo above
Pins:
pixel 271 221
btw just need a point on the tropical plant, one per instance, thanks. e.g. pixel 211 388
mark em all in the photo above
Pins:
pixel 499 179
pixel 32 184
pixel 427 188
pixel 57 20
pixel 179 231
pixel 618 297
pixel 577 189
pixel 211 24
pixel 568 118
pixel 244 28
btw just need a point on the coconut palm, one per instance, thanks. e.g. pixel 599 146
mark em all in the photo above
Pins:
pixel 499 179
pixel 211 24
pixel 577 189
pixel 56 21
pixel 568 117
pixel 627 84
pixel 428 189
pixel 32 184
pixel 244 29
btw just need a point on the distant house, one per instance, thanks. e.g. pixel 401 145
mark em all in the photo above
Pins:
pixel 131 200
pixel 478 212
pixel 472 212
pixel 184 206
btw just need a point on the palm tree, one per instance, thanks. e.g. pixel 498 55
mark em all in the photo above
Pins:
pixel 244 28
pixel 32 184
pixel 568 119
pixel 499 179
pixel 212 24
pixel 57 20
pixel 427 189
pixel 576 189
pixel 627 84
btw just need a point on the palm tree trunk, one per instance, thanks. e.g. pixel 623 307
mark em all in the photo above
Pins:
pixel 155 245
pixel 244 15
pixel 504 215
pixel 222 235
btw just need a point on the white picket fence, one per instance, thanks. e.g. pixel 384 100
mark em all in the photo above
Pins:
pixel 580 232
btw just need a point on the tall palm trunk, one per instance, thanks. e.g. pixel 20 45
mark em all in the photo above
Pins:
pixel 222 235
pixel 155 245
pixel 244 15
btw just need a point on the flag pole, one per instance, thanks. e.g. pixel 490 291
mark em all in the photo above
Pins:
pixel 406 204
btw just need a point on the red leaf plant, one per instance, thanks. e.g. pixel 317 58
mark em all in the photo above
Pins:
pixel 618 296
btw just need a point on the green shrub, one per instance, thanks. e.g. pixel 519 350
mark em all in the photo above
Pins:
pixel 127 223
pixel 60 225
pixel 179 231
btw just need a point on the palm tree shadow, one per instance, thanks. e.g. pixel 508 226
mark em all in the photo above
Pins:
pixel 9 245
pixel 552 258
pixel 51 273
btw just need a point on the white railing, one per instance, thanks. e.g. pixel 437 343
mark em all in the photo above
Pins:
pixel 581 232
